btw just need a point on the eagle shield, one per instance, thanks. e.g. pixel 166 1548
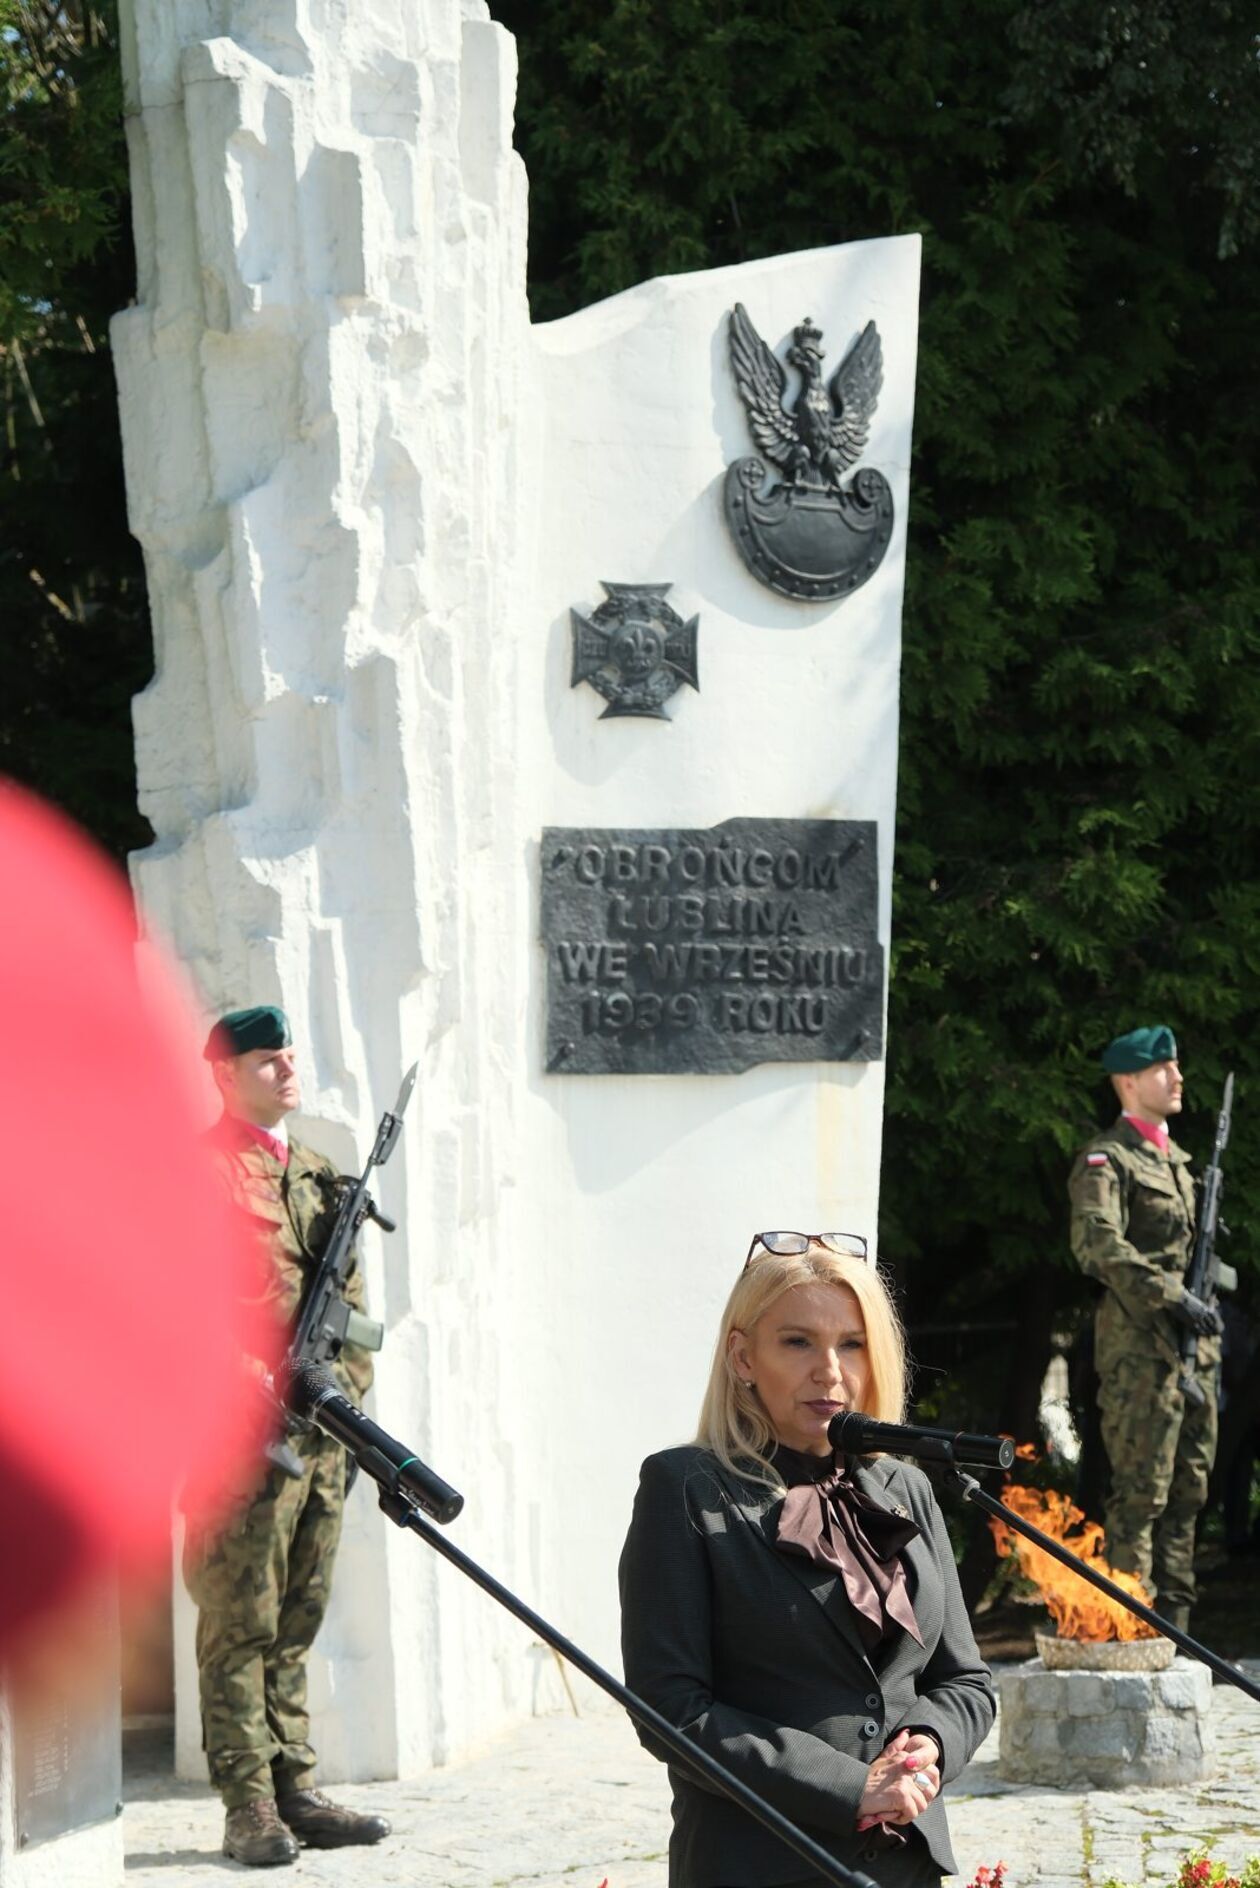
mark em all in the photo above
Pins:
pixel 803 532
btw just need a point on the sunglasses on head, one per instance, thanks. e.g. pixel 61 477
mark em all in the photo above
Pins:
pixel 850 1245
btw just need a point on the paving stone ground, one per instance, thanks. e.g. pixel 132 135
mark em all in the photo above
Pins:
pixel 563 1802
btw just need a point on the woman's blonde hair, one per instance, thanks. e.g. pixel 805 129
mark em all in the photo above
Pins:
pixel 733 1421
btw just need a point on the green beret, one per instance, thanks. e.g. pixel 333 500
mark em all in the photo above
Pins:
pixel 1139 1049
pixel 263 1027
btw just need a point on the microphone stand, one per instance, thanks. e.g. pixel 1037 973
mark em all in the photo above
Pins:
pixel 403 1513
pixel 970 1490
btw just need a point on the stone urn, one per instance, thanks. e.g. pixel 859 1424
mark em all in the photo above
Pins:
pixel 1104 1655
pixel 1106 1715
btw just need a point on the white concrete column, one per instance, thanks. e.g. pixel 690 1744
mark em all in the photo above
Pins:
pixel 643 1191
pixel 368 497
pixel 317 382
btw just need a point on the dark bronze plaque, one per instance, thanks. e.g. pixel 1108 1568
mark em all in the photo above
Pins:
pixel 707 951
pixel 67 1744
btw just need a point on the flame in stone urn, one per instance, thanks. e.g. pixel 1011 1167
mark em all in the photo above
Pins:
pixel 1079 1611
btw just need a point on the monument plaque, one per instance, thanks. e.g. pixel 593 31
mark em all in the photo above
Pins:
pixel 67 1740
pixel 707 951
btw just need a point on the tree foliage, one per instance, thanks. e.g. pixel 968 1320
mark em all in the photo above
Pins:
pixel 76 636
pixel 1135 80
pixel 1079 807
pixel 1079 818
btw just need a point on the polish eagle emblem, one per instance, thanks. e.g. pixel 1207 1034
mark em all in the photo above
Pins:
pixel 806 533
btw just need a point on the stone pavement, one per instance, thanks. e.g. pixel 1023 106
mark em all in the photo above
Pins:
pixel 563 1802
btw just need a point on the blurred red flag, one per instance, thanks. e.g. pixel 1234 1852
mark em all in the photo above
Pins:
pixel 122 1270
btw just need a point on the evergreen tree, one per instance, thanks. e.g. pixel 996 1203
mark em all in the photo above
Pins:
pixel 1080 777
pixel 1079 801
pixel 77 645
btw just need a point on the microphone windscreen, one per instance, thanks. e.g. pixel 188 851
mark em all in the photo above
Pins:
pixel 847 1432
pixel 304 1385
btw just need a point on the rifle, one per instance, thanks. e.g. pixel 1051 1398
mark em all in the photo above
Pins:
pixel 325 1322
pixel 1208 1275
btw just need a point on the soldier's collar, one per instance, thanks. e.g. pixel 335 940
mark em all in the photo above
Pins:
pixel 1156 1132
pixel 1177 1155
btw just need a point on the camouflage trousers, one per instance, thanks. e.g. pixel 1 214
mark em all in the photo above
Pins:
pixel 261 1585
pixel 1161 1448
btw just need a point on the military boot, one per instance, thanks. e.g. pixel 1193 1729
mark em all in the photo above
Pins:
pixel 322 1824
pixel 1176 1612
pixel 255 1835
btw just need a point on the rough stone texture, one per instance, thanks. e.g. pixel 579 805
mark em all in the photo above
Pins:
pixel 369 496
pixel 570 1803
pixel 330 232
pixel 1107 1729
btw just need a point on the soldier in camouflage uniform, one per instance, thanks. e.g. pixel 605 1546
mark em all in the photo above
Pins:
pixel 1133 1219
pixel 261 1579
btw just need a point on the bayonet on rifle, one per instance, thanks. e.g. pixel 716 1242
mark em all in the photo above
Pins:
pixel 1208 1275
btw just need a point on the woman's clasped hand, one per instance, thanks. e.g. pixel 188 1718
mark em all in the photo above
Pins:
pixel 902 1781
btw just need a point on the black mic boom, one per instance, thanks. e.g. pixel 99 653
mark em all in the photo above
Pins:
pixel 856 1434
pixel 312 1392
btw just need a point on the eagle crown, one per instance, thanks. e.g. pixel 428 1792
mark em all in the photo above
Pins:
pixel 805 351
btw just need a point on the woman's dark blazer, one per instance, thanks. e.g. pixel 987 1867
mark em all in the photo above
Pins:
pixel 754 1653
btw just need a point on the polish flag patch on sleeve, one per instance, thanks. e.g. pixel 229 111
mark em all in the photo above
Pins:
pixel 1096 1160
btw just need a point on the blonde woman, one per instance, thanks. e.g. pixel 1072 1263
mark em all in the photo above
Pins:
pixel 799 1614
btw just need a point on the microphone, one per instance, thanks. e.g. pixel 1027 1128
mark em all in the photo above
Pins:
pixel 855 1434
pixel 312 1392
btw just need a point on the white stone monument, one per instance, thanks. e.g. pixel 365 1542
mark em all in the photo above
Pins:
pixel 369 495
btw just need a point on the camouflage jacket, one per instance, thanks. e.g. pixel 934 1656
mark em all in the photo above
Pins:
pixel 290 1212
pixel 1133 1217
